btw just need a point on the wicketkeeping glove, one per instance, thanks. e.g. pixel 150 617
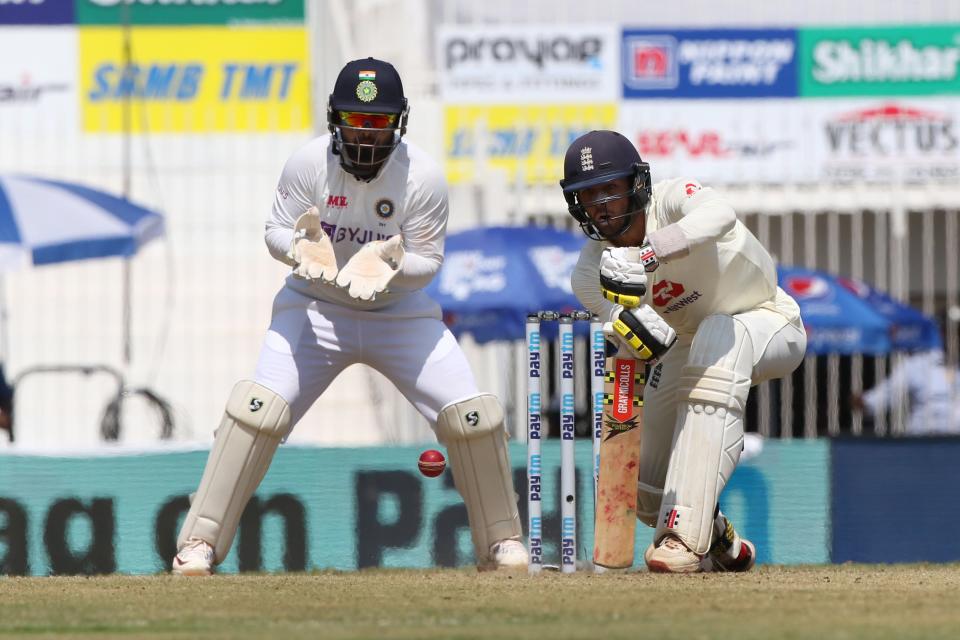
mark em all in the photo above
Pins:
pixel 641 331
pixel 372 268
pixel 312 250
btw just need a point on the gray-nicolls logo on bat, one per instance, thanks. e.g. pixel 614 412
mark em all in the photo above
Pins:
pixel 255 404
pixel 473 418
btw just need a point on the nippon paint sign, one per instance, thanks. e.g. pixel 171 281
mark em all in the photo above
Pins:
pixel 535 63
pixel 720 141
pixel 709 63
pixel 38 91
pixel 880 61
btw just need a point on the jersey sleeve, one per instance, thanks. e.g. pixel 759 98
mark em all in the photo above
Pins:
pixel 294 195
pixel 697 214
pixel 424 232
pixel 585 281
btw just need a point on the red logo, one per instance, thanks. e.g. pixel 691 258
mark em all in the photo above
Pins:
pixel 672 519
pixel 807 286
pixel 338 202
pixel 691 188
pixel 671 142
pixel 665 291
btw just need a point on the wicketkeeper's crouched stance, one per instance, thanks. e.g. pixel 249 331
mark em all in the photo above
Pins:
pixel 360 215
pixel 709 279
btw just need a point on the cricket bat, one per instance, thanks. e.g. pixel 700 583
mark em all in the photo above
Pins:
pixel 616 517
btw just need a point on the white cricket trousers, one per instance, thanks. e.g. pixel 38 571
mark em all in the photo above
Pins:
pixel 310 342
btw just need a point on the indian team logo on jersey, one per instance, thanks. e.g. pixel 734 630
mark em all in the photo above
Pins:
pixel 384 208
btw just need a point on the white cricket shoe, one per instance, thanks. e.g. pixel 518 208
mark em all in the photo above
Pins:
pixel 506 554
pixel 194 559
pixel 672 556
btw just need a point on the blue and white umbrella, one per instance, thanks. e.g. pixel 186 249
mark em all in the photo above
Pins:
pixel 493 277
pixel 846 316
pixel 47 222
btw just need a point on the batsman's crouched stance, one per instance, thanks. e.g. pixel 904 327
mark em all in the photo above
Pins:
pixel 675 253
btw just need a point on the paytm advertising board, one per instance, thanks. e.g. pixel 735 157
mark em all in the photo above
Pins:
pixel 36 11
pixel 728 63
pixel 196 79
pixel 346 508
pixel 537 63
pixel 721 141
pixel 880 61
pixel 38 91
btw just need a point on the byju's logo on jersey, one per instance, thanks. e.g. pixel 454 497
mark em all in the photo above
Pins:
pixel 650 62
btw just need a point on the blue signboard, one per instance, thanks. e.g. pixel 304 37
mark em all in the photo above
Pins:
pixel 728 63
pixel 895 500
pixel 349 508
pixel 36 12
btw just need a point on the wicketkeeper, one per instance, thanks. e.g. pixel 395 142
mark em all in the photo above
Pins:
pixel 711 312
pixel 360 216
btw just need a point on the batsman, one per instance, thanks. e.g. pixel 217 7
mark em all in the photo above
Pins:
pixel 710 316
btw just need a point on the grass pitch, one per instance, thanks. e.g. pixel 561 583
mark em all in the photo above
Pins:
pixel 848 601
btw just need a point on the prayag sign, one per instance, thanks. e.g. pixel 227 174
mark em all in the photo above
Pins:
pixel 196 79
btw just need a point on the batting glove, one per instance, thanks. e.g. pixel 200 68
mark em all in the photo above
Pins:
pixel 641 331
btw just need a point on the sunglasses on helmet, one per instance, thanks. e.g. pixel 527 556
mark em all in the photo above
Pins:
pixel 368 120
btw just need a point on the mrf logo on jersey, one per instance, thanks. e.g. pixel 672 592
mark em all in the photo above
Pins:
pixel 336 202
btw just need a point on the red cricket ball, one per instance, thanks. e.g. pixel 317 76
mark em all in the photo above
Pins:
pixel 432 463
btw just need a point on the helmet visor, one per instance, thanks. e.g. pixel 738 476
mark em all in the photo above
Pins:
pixel 361 120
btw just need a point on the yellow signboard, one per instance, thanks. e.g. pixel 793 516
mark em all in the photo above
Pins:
pixel 193 79
pixel 526 142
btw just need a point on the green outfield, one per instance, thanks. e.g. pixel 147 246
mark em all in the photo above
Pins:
pixel 849 601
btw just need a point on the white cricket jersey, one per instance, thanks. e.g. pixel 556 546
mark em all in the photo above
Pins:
pixel 720 267
pixel 408 197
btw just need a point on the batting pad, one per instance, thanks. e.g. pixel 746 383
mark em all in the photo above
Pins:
pixel 708 439
pixel 472 431
pixel 255 421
